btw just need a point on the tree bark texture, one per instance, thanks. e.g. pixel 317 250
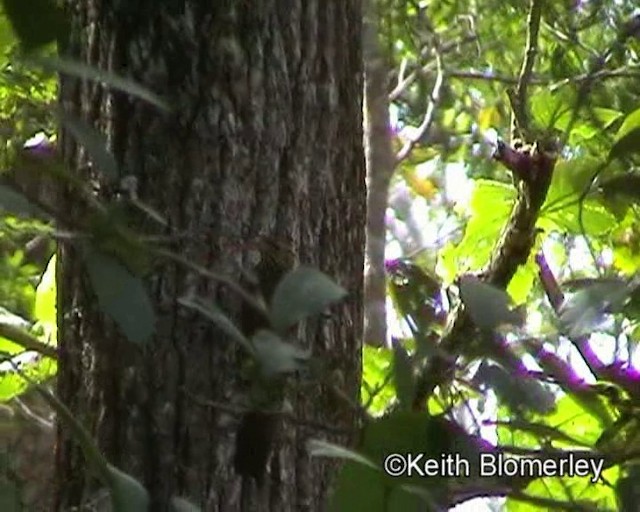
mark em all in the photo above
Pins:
pixel 264 139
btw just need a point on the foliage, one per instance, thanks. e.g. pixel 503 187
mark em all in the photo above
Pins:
pixel 546 381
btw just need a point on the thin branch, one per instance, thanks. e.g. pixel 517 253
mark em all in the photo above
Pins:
pixel 520 120
pixel 26 340
pixel 429 115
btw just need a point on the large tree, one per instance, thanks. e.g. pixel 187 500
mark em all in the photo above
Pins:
pixel 262 142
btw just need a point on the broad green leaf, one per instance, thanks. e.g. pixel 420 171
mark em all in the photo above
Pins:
pixel 121 295
pixel 10 499
pixel 488 306
pixel 94 142
pixel 403 376
pixel 517 392
pixel 13 202
pixel 622 186
pixel 182 505
pixel 303 292
pixel 127 493
pixel 583 312
pixel 628 489
pixel 627 139
pixel 489 208
pixel 276 356
pixel 81 70
pixel 36 22
pixel 579 493
pixel 219 318
pixel 45 304
pixel 573 419
pixel 321 448
pixel 376 368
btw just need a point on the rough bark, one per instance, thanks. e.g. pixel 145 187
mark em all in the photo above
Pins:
pixel 265 139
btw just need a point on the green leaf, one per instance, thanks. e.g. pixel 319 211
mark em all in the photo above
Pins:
pixel 575 420
pixel 9 492
pixel 127 493
pixel 35 22
pixel 403 376
pixel 44 310
pixel 80 70
pixel 94 142
pixel 181 505
pixel 276 356
pixel 584 311
pixel 321 448
pixel 627 139
pixel 121 295
pixel 489 208
pixel 488 306
pixel 518 392
pixel 15 203
pixel 303 292
pixel 219 318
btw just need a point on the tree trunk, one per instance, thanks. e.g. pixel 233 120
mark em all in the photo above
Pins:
pixel 264 139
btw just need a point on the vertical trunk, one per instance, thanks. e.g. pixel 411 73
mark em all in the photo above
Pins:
pixel 264 140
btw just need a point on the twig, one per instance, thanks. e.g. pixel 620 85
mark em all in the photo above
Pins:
pixel 520 120
pixel 26 340
pixel 429 115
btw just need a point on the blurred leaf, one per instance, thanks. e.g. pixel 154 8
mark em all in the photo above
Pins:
pixel 488 306
pixel 219 318
pixel 489 117
pixel 583 312
pixel 15 203
pixel 572 418
pixel 45 305
pixel 127 493
pixel 276 356
pixel 628 490
pixel 303 292
pixel 183 505
pixel 121 295
pixel 94 142
pixel 321 448
pixel 622 186
pixel 516 391
pixel 627 139
pixel 81 70
pixel 403 376
pixel 36 22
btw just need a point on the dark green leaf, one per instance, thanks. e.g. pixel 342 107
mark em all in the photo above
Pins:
pixel 80 70
pixel 303 292
pixel 94 143
pixel 488 306
pixel 585 310
pixel 627 139
pixel 219 318
pixel 623 185
pixel 628 490
pixel 15 203
pixel 35 22
pixel 276 356
pixel 121 295
pixel 182 505
pixel 320 448
pixel 127 493
pixel 516 391
pixel 403 376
